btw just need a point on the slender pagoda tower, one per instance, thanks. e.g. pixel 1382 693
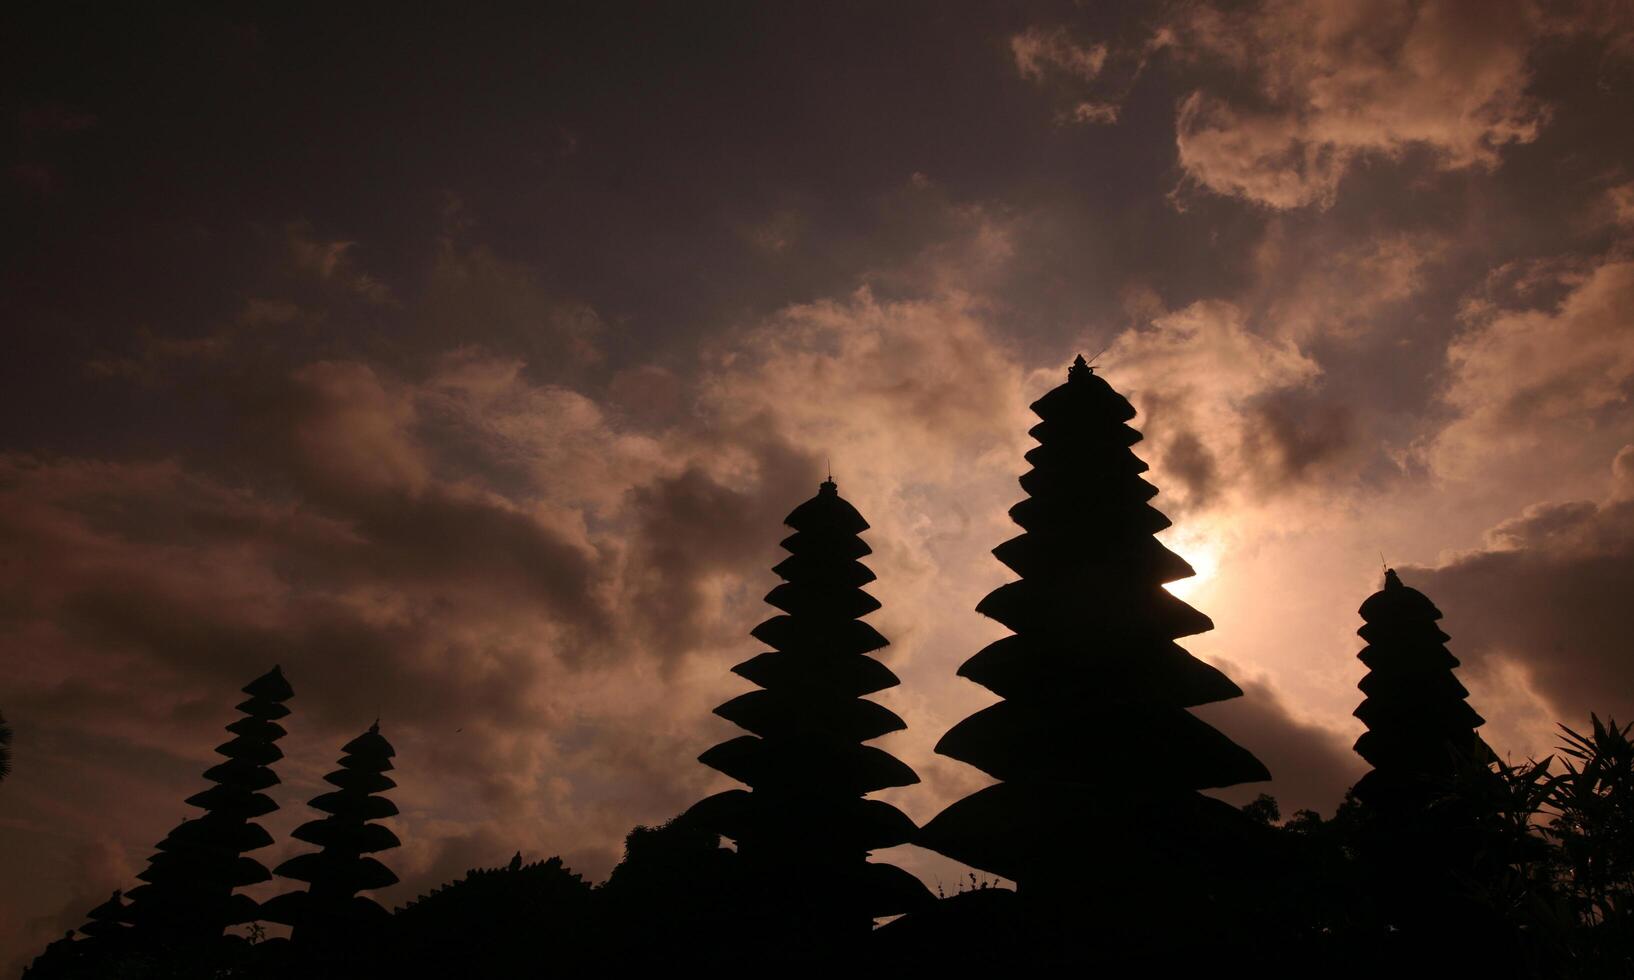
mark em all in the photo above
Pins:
pixel 803 829
pixel 1424 802
pixel 1099 760
pixel 331 910
pixel 188 896
pixel 1420 727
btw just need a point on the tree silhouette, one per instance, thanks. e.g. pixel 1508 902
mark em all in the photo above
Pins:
pixel 1099 759
pixel 331 911
pixel 803 829
pixel 518 920
pixel 1593 804
pixel 188 896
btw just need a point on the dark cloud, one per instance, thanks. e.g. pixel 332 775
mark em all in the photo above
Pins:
pixel 1311 765
pixel 1551 595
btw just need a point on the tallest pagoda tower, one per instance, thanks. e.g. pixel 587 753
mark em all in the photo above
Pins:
pixel 1098 759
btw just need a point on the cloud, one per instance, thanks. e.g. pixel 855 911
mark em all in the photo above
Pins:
pixel 1217 401
pixel 1521 375
pixel 1548 595
pixel 1311 765
pixel 1324 85
pixel 1040 51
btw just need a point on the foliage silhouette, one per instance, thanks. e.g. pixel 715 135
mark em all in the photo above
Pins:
pixel 1092 665
pixel 495 922
pixel 1593 807
pixel 804 830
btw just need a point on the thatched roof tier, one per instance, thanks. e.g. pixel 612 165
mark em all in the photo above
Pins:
pixel 1063 605
pixel 836 767
pixel 1069 468
pixel 360 779
pixel 1031 669
pixel 817 546
pixel 827 513
pixel 848 676
pixel 824 570
pixel 1026 831
pixel 235 800
pixel 259 728
pixel 821 601
pixel 1086 395
pixel 1138 557
pixel 1420 657
pixel 347 835
pixel 1072 517
pixel 228 833
pixel 1415 682
pixel 354 805
pixel 858 824
pixel 804 711
pixel 243 774
pixel 271 686
pixel 337 871
pixel 834 637
pixel 1390 709
pixel 1106 489
pixel 1069 741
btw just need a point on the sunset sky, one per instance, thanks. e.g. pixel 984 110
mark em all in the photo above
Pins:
pixel 466 364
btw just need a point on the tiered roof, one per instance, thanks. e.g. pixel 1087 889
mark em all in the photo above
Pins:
pixel 190 881
pixel 1420 728
pixel 804 818
pixel 1092 679
pixel 347 835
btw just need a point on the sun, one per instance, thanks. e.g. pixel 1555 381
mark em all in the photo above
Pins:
pixel 1202 558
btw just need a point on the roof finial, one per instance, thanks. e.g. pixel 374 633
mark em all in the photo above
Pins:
pixel 1391 579
pixel 1080 369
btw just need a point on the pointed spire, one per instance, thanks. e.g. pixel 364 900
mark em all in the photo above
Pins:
pixel 1080 369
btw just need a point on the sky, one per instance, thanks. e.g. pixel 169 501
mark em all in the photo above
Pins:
pixel 465 363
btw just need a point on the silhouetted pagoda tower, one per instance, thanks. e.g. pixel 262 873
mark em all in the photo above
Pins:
pixel 1099 760
pixel 1420 727
pixel 803 830
pixel 188 895
pixel 331 910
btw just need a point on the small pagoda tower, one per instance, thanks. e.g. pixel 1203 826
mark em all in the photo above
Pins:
pixel 804 829
pixel 1098 759
pixel 188 896
pixel 330 911
pixel 1420 727
pixel 107 921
